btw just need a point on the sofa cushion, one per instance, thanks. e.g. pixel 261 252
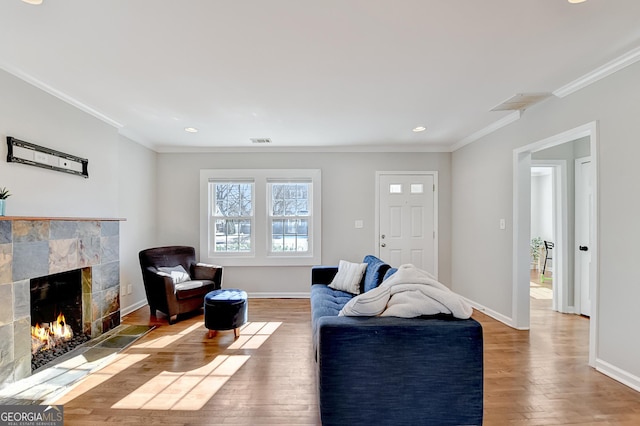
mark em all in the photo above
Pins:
pixel 349 277
pixel 325 302
pixel 374 274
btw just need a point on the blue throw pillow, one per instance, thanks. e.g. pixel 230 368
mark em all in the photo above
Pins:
pixel 374 273
pixel 389 272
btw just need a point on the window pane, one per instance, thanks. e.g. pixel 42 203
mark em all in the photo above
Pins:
pixel 417 188
pixel 290 199
pixel 302 208
pixel 395 188
pixel 233 235
pixel 233 199
pixel 278 208
pixel 290 207
pixel 290 235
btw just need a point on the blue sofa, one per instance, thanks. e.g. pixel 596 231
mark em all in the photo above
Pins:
pixel 389 370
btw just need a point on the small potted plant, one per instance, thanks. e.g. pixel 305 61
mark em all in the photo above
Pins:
pixel 4 194
pixel 536 245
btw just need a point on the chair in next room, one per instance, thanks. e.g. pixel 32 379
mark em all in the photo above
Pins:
pixel 548 246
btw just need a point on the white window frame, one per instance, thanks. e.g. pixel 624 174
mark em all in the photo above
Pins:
pixel 252 218
pixel 271 217
pixel 261 254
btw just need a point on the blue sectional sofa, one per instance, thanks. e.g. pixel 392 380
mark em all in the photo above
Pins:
pixel 389 370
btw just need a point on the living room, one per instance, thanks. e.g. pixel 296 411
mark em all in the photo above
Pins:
pixel 156 190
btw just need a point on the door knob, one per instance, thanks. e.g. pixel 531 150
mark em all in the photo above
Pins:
pixel 383 245
pixel 583 248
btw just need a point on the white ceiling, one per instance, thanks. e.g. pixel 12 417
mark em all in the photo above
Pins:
pixel 328 73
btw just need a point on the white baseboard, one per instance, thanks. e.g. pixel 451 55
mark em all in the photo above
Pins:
pixel 257 295
pixel 128 309
pixel 290 295
pixel 618 374
pixel 493 314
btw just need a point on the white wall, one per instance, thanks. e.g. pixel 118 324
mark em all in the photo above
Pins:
pixel 348 194
pixel 29 114
pixel 137 203
pixel 487 163
pixel 121 179
pixel 542 206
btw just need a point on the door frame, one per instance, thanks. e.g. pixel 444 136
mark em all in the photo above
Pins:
pixel 522 228
pixel 560 233
pixel 435 210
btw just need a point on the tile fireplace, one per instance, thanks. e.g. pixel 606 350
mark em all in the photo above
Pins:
pixel 32 248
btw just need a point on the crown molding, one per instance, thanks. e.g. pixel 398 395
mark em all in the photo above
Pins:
pixel 504 121
pixel 60 95
pixel 302 149
pixel 599 73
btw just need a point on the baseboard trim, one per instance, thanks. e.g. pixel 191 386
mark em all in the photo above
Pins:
pixel 493 314
pixel 618 374
pixel 128 309
pixel 283 295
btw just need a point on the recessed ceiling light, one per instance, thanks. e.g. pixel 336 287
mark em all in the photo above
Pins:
pixel 419 129
pixel 36 2
pixel 577 1
pixel 191 130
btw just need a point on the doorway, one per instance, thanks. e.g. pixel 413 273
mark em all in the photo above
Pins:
pixel 407 219
pixel 543 233
pixel 550 214
pixel 523 160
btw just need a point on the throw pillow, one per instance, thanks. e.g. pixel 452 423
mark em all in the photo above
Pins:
pixel 376 269
pixel 177 273
pixel 369 304
pixel 348 277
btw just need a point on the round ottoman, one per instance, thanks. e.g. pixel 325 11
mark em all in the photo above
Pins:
pixel 225 309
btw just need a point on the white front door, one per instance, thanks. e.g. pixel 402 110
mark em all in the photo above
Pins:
pixel 407 209
pixel 584 201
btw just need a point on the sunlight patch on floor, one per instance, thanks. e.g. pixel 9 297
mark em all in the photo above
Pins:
pixel 538 292
pixel 191 390
pixel 254 334
pixel 164 341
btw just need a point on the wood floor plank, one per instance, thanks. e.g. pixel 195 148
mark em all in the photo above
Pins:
pixel 536 377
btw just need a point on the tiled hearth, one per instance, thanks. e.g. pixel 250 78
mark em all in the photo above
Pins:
pixel 34 247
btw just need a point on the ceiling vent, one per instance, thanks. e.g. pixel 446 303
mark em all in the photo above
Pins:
pixel 521 101
pixel 260 140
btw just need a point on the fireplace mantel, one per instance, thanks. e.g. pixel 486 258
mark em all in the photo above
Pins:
pixel 79 219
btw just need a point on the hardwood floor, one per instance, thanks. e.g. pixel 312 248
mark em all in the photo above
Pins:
pixel 176 376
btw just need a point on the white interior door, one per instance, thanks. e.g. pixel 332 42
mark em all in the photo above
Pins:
pixel 584 201
pixel 407 209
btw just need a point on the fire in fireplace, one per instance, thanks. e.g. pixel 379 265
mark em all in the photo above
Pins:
pixel 55 298
pixel 49 335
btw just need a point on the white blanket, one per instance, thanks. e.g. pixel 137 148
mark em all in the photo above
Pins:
pixel 409 293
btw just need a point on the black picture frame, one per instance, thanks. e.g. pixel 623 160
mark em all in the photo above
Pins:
pixel 46 158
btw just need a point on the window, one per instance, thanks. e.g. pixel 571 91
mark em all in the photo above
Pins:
pixel 232 216
pixel 260 217
pixel 289 216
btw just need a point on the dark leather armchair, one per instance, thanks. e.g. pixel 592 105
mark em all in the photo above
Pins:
pixel 176 296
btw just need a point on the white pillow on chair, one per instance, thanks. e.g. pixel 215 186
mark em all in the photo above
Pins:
pixel 177 273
